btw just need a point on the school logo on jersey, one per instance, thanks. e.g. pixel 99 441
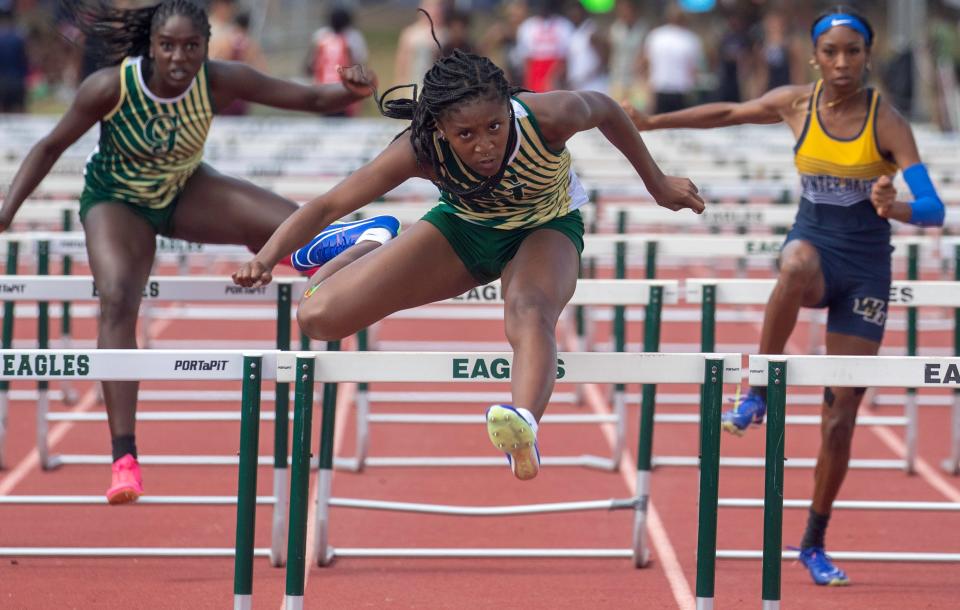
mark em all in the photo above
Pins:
pixel 872 309
pixel 514 186
pixel 161 133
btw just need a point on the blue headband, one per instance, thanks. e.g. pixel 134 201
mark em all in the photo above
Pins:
pixel 834 19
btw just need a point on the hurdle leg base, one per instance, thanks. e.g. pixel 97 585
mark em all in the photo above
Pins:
pixel 951 467
pixel 293 602
pixel 242 602
pixel 53 462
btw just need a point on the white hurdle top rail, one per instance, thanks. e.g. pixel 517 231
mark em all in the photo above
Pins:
pixel 73 243
pixel 158 288
pixel 221 289
pixel 906 293
pixel 726 214
pixel 130 365
pixel 860 371
pixel 573 367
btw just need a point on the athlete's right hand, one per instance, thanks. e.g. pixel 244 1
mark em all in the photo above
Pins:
pixel 639 119
pixel 252 275
pixel 5 221
pixel 675 193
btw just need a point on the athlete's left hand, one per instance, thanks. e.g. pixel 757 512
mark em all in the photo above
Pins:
pixel 358 80
pixel 675 193
pixel 883 196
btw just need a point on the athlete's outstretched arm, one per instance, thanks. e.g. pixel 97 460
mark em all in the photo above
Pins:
pixel 561 114
pixel 96 97
pixel 233 80
pixel 895 138
pixel 391 168
pixel 764 110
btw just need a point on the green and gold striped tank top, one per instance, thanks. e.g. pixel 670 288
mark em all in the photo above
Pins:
pixel 538 184
pixel 149 146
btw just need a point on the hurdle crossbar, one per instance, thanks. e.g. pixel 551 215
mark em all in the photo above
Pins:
pixel 781 372
pixel 332 367
pixel 138 365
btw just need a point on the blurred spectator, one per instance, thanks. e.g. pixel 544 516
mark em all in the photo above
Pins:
pixel 416 49
pixel 734 59
pixel 944 41
pixel 458 33
pixel 779 54
pixel 672 57
pixel 500 40
pixel 543 42
pixel 243 48
pixel 223 29
pixel 337 44
pixel 588 55
pixel 626 47
pixel 13 65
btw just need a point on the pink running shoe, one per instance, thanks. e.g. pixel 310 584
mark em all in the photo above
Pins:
pixel 127 485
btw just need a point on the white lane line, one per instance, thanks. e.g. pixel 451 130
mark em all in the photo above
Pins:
pixel 926 472
pixel 32 459
pixel 666 554
pixel 56 434
pixel 658 532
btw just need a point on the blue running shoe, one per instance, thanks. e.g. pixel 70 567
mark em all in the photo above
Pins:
pixel 751 410
pixel 822 569
pixel 514 432
pixel 339 236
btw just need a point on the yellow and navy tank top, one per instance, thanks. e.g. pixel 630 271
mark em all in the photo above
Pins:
pixel 538 184
pixel 149 146
pixel 836 176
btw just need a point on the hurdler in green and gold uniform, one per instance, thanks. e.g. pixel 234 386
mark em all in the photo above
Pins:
pixel 539 189
pixel 149 147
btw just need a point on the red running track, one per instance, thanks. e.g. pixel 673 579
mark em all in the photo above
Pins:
pixel 467 583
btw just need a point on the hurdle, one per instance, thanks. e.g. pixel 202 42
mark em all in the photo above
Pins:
pixel 162 365
pixel 159 288
pixel 952 464
pixel 652 293
pixel 907 293
pixel 709 370
pixel 779 373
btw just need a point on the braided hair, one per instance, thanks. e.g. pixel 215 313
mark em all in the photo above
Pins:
pixel 113 34
pixel 452 80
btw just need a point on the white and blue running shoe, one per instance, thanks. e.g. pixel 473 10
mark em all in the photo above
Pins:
pixel 514 431
pixel 821 568
pixel 751 410
pixel 339 236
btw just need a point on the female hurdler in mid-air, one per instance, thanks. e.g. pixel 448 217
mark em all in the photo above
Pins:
pixel 508 209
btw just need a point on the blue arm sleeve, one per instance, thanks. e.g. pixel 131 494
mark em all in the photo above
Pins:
pixel 927 209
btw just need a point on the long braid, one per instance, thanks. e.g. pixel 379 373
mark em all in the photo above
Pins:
pixel 117 33
pixel 457 78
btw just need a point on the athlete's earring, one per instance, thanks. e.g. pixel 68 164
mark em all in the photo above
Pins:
pixel 443 136
pixel 814 63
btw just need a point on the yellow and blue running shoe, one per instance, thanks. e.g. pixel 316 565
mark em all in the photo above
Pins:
pixel 821 567
pixel 751 410
pixel 514 431
pixel 339 236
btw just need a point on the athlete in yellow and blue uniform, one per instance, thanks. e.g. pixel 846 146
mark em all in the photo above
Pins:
pixel 154 102
pixel 508 210
pixel 850 143
pixel 837 217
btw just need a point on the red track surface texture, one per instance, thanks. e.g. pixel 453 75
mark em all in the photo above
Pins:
pixel 466 583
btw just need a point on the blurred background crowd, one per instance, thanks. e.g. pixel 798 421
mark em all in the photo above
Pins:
pixel 659 54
